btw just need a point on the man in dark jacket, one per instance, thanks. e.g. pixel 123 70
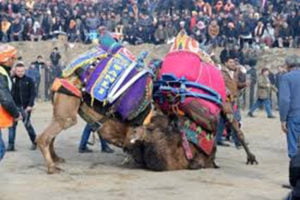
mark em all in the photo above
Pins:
pixel 23 93
pixel 55 58
pixel 7 58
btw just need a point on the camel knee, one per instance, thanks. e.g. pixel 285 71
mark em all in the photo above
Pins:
pixel 68 122
pixel 42 141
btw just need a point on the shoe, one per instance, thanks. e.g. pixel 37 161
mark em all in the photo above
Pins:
pixel 86 150
pixel 250 114
pixel 107 150
pixel 222 144
pixel 10 148
pixel 271 117
pixel 33 147
pixel 287 186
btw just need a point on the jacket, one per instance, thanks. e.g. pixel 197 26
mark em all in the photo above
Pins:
pixel 264 87
pixel 233 85
pixel 6 99
pixel 23 91
pixel 289 95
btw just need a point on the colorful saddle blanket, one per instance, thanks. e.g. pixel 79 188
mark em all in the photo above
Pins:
pixel 189 84
pixel 84 60
pixel 110 75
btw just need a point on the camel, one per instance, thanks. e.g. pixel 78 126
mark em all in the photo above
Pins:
pixel 65 111
pixel 157 145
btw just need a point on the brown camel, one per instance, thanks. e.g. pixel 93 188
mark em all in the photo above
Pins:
pixel 65 110
pixel 159 147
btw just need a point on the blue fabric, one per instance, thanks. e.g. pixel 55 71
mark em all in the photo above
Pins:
pixel 12 132
pixel 221 128
pixel 289 95
pixel 85 138
pixel 260 102
pixel 2 147
pixel 293 126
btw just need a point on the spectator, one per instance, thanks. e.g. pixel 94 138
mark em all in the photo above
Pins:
pixel 84 141
pixel 160 34
pixel 289 96
pixel 72 31
pixel 80 20
pixel 199 32
pixel 264 88
pixel 39 74
pixel 23 93
pixel 268 36
pixel 213 32
pixel 5 28
pixel 36 32
pixel 231 34
pixel 285 38
pixel 16 30
pixel 259 32
pixel 55 59
pixel 171 30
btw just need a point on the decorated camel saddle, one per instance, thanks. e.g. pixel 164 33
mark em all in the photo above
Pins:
pixel 190 85
pixel 109 77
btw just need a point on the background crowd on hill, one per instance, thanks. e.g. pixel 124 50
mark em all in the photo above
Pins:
pixel 274 23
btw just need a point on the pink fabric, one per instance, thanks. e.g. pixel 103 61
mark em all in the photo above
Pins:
pixel 187 64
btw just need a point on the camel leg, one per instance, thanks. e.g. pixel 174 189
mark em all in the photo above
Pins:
pixel 55 157
pixel 44 142
pixel 65 110
pixel 251 159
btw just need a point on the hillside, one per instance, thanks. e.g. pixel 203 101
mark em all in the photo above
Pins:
pixel 30 50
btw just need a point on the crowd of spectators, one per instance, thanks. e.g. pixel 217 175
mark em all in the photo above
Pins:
pixel 215 22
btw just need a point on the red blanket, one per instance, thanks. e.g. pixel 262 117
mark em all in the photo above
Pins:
pixel 189 65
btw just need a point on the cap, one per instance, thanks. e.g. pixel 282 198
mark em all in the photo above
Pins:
pixel 7 52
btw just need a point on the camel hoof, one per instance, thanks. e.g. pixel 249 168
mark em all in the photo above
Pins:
pixel 54 170
pixel 59 160
pixel 251 160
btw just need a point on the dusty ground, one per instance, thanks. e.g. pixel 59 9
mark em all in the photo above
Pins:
pixel 101 176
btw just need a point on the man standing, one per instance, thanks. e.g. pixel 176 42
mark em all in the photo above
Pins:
pixel 289 103
pixel 55 58
pixel 8 109
pixel 230 74
pixel 41 73
pixel 23 93
pixel 84 141
pixel 264 88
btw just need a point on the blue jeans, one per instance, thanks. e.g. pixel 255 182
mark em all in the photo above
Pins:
pixel 293 126
pixel 29 128
pixel 221 128
pixel 85 137
pixel 265 102
pixel 2 147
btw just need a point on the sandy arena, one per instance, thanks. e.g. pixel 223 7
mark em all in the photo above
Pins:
pixel 102 176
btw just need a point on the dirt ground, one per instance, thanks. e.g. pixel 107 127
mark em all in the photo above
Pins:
pixel 102 176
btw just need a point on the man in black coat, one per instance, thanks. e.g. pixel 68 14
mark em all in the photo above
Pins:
pixel 23 93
